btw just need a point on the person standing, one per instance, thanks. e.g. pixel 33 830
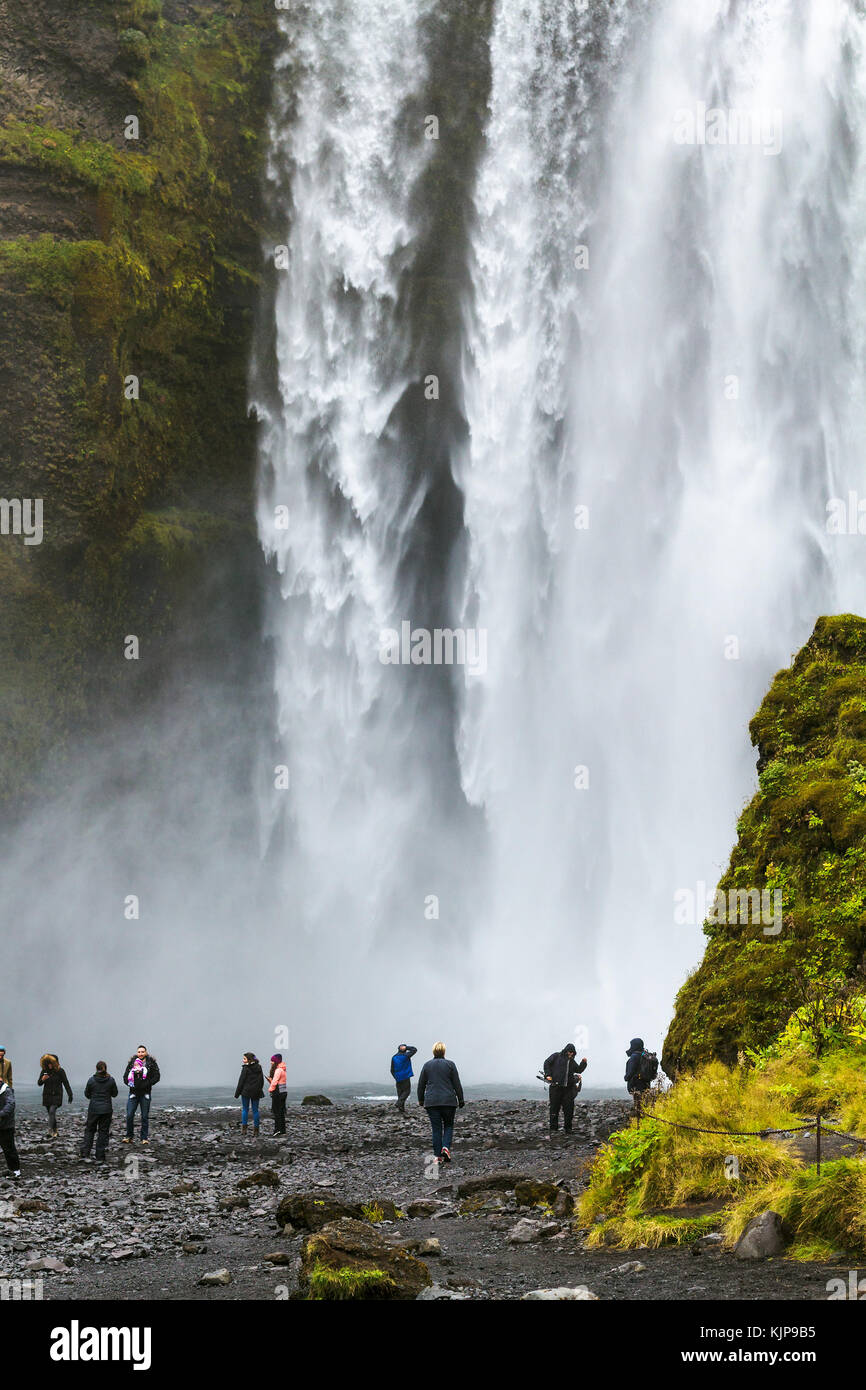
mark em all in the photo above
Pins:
pixel 7 1129
pixel 53 1079
pixel 250 1089
pixel 561 1072
pixel 100 1090
pixel 141 1074
pixel 401 1070
pixel 641 1069
pixel 5 1067
pixel 277 1092
pixel 440 1092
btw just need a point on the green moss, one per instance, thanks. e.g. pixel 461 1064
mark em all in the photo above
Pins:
pixel 324 1283
pixel 157 279
pixel 802 835
pixel 629 1232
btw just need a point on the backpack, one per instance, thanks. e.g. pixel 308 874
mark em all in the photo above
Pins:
pixel 647 1067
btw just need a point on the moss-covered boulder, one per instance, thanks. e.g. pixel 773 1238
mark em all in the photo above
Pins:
pixel 350 1260
pixel 534 1192
pixel 310 1211
pixel 802 843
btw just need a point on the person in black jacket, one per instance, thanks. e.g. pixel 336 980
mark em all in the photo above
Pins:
pixel 634 1083
pixel 561 1073
pixel 7 1129
pixel 141 1074
pixel 440 1092
pixel 250 1089
pixel 52 1079
pixel 99 1091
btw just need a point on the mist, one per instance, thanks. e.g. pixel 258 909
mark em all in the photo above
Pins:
pixel 556 373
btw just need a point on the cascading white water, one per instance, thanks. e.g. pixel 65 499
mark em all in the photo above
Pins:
pixel 694 378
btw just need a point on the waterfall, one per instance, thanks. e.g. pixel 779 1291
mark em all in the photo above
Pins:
pixel 631 265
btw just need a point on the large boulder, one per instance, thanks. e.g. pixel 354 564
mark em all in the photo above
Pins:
pixel 350 1259
pixel 500 1181
pixel 534 1192
pixel 266 1178
pixel 312 1210
pixel 764 1237
pixel 316 1100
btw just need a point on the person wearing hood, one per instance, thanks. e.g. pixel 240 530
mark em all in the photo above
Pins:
pixel 141 1074
pixel 635 1082
pixel 7 1129
pixel 401 1070
pixel 277 1092
pixel 52 1079
pixel 561 1073
pixel 440 1092
pixel 100 1090
pixel 250 1089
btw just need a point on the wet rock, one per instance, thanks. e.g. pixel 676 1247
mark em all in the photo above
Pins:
pixel 436 1292
pixel 524 1232
pixel 231 1203
pixel 351 1259
pixel 764 1237
pixel 422 1245
pixel 266 1178
pixel 500 1181
pixel 580 1293
pixel 630 1267
pixel 312 1210
pixel 278 1257
pixel 47 1263
pixel 423 1206
pixel 215 1278
pixel 316 1100
pixel 533 1192
pixel 193 1247
pixel 181 1189
pixel 32 1204
pixel 710 1244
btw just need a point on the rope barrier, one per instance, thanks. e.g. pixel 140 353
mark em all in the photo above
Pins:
pixel 757 1133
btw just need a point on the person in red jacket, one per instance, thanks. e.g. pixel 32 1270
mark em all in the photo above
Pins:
pixel 277 1092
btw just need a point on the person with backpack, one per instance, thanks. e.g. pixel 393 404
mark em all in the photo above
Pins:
pixel 641 1070
pixel 562 1075
pixel 7 1129
pixel 100 1090
pixel 141 1074
pixel 401 1070
pixel 52 1079
pixel 440 1092
pixel 277 1091
pixel 250 1089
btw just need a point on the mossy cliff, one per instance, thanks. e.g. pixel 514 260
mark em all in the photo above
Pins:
pixel 803 835
pixel 124 258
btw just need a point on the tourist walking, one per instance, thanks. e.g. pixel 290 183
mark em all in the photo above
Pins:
pixel 53 1080
pixel 562 1074
pixel 440 1092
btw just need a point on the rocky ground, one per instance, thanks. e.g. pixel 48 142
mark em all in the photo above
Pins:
pixel 155 1220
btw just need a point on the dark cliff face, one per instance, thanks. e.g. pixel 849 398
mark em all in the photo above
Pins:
pixel 803 836
pixel 119 259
